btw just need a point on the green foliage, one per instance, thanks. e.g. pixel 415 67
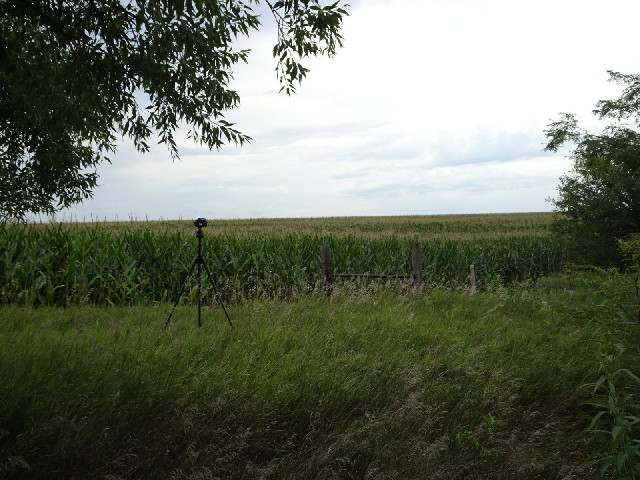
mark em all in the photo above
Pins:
pixel 618 415
pixel 75 75
pixel 305 28
pixel 62 265
pixel 619 290
pixel 615 426
pixel 599 201
pixel 439 386
pixel 630 249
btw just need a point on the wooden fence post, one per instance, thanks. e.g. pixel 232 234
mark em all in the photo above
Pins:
pixel 325 260
pixel 472 277
pixel 416 260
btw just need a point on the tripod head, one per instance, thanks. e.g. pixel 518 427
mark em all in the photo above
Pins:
pixel 200 223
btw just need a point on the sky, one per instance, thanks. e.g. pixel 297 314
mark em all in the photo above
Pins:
pixel 431 107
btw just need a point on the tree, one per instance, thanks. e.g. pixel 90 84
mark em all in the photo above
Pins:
pixel 599 201
pixel 77 74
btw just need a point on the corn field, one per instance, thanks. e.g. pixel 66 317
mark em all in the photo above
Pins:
pixel 79 264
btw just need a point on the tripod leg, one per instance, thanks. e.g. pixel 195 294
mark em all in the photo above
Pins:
pixel 184 285
pixel 199 290
pixel 215 289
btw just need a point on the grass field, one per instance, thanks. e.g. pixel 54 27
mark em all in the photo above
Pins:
pixel 440 386
pixel 380 381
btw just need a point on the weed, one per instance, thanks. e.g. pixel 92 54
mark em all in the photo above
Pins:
pixel 618 415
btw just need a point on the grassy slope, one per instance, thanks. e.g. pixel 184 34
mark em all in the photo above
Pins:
pixel 439 386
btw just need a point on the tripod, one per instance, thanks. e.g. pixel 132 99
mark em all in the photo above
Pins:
pixel 199 261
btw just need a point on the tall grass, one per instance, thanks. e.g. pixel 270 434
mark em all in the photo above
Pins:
pixel 445 386
pixel 65 264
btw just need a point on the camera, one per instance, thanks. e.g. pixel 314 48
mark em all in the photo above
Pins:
pixel 200 222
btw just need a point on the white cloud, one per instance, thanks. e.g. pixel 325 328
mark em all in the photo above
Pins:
pixel 433 106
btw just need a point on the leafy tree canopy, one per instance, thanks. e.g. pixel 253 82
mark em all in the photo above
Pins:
pixel 599 200
pixel 72 74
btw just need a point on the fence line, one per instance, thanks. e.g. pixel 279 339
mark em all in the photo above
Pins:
pixel 328 275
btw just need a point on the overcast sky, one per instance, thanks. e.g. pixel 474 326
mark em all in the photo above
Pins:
pixel 431 107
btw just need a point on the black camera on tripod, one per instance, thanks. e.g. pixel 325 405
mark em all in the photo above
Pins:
pixel 200 263
pixel 200 222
